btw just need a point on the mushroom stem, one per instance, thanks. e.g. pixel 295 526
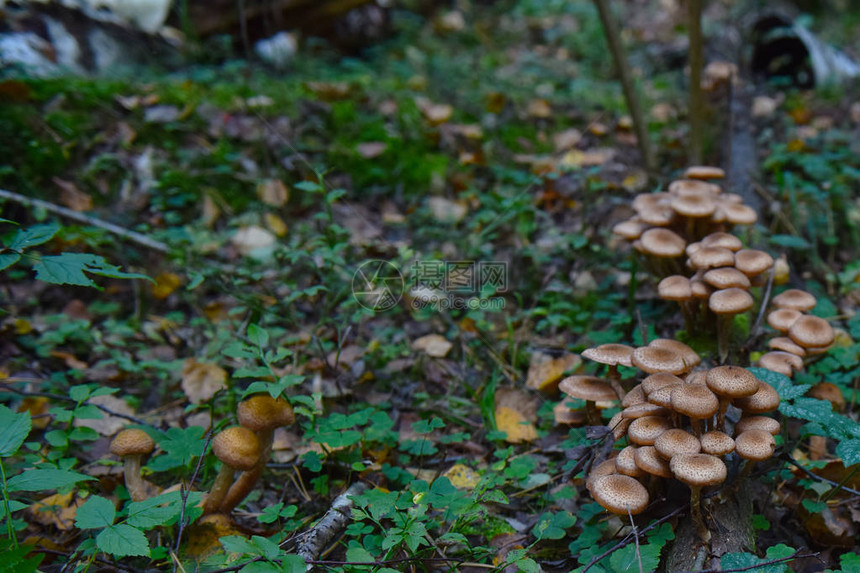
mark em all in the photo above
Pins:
pixel 615 381
pixel 723 327
pixel 592 414
pixel 219 489
pixel 696 513
pixel 135 485
pixel 721 413
pixel 246 481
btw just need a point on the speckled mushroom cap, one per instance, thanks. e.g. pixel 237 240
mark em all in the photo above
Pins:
pixel 690 356
pixel 590 388
pixel 717 443
pixel 783 362
pixel 698 470
pixel 755 445
pixel 657 380
pixel 653 359
pixel 752 262
pixel 635 396
pixel 704 172
pixel 811 332
pixel 644 431
pixel 238 447
pixel 795 299
pixel 611 354
pixel 726 277
pixel 695 401
pixel 739 214
pixel 724 240
pixel 829 392
pixel 625 462
pixel 620 494
pixel 662 396
pixel 730 301
pixel 766 399
pixel 132 442
pixel 642 410
pixel 662 243
pixel 700 289
pixel 676 441
pixel 675 287
pixel 786 344
pixel 649 461
pixel 687 187
pixel 781 319
pixel 261 412
pixel 732 381
pixel 697 377
pixel 765 423
pixel 604 468
pixel 712 257
pixel 648 200
pixel 693 206
pixel 619 425
pixel 630 229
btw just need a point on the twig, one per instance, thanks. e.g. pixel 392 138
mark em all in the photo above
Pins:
pixel 132 236
pixel 796 555
pixel 613 38
pixel 99 560
pixel 817 477
pixel 184 496
pixel 334 520
pixel 764 302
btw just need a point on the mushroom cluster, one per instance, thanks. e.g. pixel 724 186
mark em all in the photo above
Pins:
pixel 673 423
pixel 666 222
pixel 801 335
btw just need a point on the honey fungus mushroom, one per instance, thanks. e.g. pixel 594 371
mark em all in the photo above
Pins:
pixel 698 471
pixel 239 449
pixel 612 355
pixel 620 494
pixel 132 445
pixel 591 389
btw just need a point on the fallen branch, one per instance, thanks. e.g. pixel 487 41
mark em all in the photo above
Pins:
pixel 132 236
pixel 332 523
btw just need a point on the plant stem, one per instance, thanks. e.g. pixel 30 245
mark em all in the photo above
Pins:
pixel 7 511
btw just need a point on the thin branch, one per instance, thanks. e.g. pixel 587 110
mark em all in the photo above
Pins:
pixel 796 555
pixel 132 236
pixel 184 496
pixel 99 560
pixel 817 477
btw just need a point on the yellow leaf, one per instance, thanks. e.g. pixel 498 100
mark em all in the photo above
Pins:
pixel 165 284
pixel 462 477
pixel 433 345
pixel 58 510
pixel 275 224
pixel 545 371
pixel 273 192
pixel 201 380
pixel 514 424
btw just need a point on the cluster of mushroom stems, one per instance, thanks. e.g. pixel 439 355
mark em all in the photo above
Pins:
pixel 244 448
pixel 674 424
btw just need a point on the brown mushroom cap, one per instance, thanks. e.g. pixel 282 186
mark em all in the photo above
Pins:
pixel 132 442
pixel 626 462
pixel 662 243
pixel 704 172
pixel 829 392
pixel 700 289
pixel 697 377
pixel 620 494
pixel 687 187
pixel 781 362
pixel 675 287
pixel 261 412
pixel 693 206
pixel 695 401
pixel 786 344
pixel 645 201
pixel 642 410
pixel 619 425
pixel 643 431
pixel 691 357
pixel 238 447
pixel 676 441
pixel 653 359
pixel 766 399
pixel 724 240
pixel 630 229
pixel 635 396
pixel 698 470
pixel 611 354
pixel 650 462
pixel 565 416
pixel 717 443
pixel 712 257
pixel 811 332
pixel 726 277
pixel 755 445
pixel 795 299
pixel 732 381
pixel 663 396
pixel 589 388
pixel 730 301
pixel 658 380
pixel 781 319
pixel 765 423
pixel 739 214
pixel 752 262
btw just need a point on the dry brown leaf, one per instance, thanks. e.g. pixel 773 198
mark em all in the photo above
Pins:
pixel 545 370
pixel 371 149
pixel 434 113
pixel 253 238
pixel 108 425
pixel 433 345
pixel 566 139
pixel 38 408
pixel 58 510
pixel 273 192
pixel 165 285
pixel 539 108
pixel 72 197
pixel 201 380
pixel 70 360
pixel 203 536
pixel 590 158
pixel 447 211
pixel 516 413
pixel 330 91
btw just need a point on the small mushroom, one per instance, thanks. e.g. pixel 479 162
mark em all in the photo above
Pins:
pixel 754 446
pixel 612 355
pixel 239 449
pixel 698 471
pixel 795 299
pixel 132 446
pixel 730 382
pixel 726 304
pixel 620 494
pixel 695 401
pixel 591 389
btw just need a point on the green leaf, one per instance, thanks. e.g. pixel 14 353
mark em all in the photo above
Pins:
pixel 122 540
pixel 553 525
pixel 789 241
pixel 41 479
pixel 293 564
pixel 260 567
pixel 781 383
pixel 155 511
pixel 26 238
pixel 240 545
pixel 180 447
pixel 258 335
pixel 8 259
pixel 95 513
pixel 849 451
pixel 14 429
pixel 742 560
pixel 69 268
pixel 359 555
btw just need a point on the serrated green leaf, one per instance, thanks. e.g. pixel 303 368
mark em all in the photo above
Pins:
pixel 15 505
pixel 781 383
pixel 69 268
pixel 744 560
pixel 155 511
pixel 14 429
pixel 359 555
pixel 293 564
pixel 553 525
pixel 33 236
pixel 240 545
pixel 8 259
pixel 95 513
pixel 122 540
pixel 42 479
pixel 260 567
pixel 849 451
pixel 258 335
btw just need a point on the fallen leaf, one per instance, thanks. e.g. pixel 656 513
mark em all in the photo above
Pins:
pixel 253 240
pixel 545 370
pixel 371 149
pixel 108 424
pixel 70 360
pixel 566 139
pixel 201 380
pixel 539 108
pixel 433 345
pixel 449 22
pixel 58 510
pixel 591 158
pixel 329 91
pixel 203 536
pixel 165 285
pixel 273 192
pixel 447 211
pixel 275 224
pixel 434 113
pixel 516 413
pixel 38 408
pixel 211 211
pixel 462 476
